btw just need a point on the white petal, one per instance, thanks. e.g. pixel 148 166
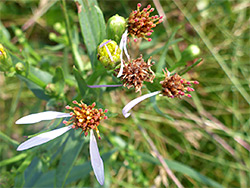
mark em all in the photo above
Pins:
pixel 125 44
pixel 48 115
pixel 96 160
pixel 122 46
pixel 134 102
pixel 110 56
pixel 43 138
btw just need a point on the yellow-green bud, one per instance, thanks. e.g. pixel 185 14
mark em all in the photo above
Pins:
pixel 18 32
pixel 115 27
pixel 3 54
pixel 51 89
pixel 19 67
pixel 57 26
pixel 52 36
pixel 109 53
pixel 190 53
pixel 5 61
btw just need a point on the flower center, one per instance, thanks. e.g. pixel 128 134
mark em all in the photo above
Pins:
pixel 86 117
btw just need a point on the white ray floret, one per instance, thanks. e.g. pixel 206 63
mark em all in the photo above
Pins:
pixel 43 138
pixel 123 46
pixel 35 118
pixel 96 160
pixel 131 104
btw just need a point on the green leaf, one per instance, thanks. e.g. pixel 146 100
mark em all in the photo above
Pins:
pixel 183 169
pixel 162 60
pixel 92 26
pixel 153 102
pixel 82 85
pixel 155 86
pixel 71 151
pixel 58 79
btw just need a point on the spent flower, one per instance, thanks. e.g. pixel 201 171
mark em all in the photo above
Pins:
pixel 172 86
pixel 83 116
pixel 136 72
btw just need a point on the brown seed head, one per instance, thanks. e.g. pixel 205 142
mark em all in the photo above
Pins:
pixel 136 72
pixel 85 117
pixel 175 86
pixel 140 24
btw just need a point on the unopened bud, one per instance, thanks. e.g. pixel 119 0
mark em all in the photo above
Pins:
pixel 51 89
pixel 19 67
pixel 115 27
pixel 190 53
pixel 109 53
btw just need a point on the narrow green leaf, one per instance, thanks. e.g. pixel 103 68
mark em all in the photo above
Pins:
pixel 183 169
pixel 92 26
pixel 82 85
pixel 153 102
pixel 161 63
pixel 70 153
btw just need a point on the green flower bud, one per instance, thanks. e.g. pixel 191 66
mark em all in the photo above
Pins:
pixel 115 27
pixel 52 36
pixel 18 32
pixel 3 54
pixel 51 89
pixel 109 53
pixel 190 53
pixel 19 67
pixel 57 26
pixel 5 61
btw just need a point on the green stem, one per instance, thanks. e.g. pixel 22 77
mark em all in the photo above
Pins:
pixel 77 57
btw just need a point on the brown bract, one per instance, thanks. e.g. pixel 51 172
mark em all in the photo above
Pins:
pixel 140 24
pixel 85 117
pixel 176 86
pixel 136 72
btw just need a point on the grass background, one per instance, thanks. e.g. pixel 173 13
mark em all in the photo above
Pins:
pixel 202 142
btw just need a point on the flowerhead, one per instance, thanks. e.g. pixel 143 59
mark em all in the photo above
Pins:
pixel 172 86
pixel 176 86
pixel 83 116
pixel 135 72
pixel 141 24
pixel 109 53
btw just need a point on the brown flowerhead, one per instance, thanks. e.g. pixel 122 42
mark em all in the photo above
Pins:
pixel 176 86
pixel 136 72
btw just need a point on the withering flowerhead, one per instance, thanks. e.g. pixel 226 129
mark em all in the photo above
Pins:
pixel 140 24
pixel 85 117
pixel 136 72
pixel 176 86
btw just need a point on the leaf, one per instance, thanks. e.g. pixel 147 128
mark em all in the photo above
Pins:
pixel 183 169
pixel 82 85
pixel 153 101
pixel 71 151
pixel 162 60
pixel 92 26
pixel 77 173
pixel 155 86
pixel 58 80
